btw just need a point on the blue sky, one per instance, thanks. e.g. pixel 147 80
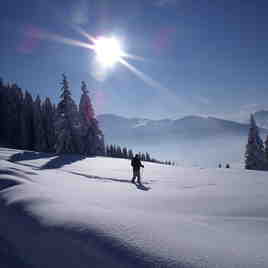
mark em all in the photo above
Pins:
pixel 209 57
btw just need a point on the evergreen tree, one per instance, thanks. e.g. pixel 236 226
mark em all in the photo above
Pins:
pixel 27 132
pixel 92 136
pixel 130 154
pixel 143 157
pixel 23 127
pixel 48 118
pixel 19 118
pixel 111 150
pixel 67 122
pixel 8 115
pixel 124 152
pixel 118 152
pixel 254 156
pixel 39 132
pixel 107 151
pixel 14 100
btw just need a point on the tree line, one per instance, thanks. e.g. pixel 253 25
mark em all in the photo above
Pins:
pixel 33 124
pixel 117 151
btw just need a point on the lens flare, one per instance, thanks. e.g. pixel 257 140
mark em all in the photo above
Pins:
pixel 108 51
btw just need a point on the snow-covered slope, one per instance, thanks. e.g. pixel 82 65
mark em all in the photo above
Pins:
pixel 68 211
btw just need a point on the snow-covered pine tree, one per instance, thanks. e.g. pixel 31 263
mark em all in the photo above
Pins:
pixel 48 118
pixel 92 136
pixel 254 156
pixel 67 122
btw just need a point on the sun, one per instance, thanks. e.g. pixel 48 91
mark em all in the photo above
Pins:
pixel 108 51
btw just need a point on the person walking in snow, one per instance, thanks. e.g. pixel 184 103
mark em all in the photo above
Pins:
pixel 136 165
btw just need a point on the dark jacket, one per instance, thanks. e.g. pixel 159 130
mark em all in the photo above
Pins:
pixel 136 163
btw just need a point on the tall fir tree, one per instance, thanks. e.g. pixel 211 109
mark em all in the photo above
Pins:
pixel 28 122
pixel 15 99
pixel 39 132
pixel 254 156
pixel 23 128
pixel 67 122
pixel 48 118
pixel 92 136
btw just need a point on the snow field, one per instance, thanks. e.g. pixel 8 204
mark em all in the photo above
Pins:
pixel 68 211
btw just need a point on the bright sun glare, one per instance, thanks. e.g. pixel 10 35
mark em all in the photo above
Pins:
pixel 108 51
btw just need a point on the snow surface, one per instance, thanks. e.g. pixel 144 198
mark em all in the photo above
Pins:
pixel 69 211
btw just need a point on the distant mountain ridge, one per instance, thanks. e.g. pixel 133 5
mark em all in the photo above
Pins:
pixel 191 140
pixel 152 131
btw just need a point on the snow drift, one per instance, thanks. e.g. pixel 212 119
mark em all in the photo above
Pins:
pixel 68 211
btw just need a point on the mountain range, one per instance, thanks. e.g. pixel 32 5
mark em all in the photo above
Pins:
pixel 193 139
pixel 117 128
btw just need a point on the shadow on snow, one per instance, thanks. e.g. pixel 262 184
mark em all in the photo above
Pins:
pixel 56 162
pixel 62 160
pixel 139 186
pixel 28 155
pixel 142 187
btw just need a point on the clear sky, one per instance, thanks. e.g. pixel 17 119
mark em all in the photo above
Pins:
pixel 209 57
